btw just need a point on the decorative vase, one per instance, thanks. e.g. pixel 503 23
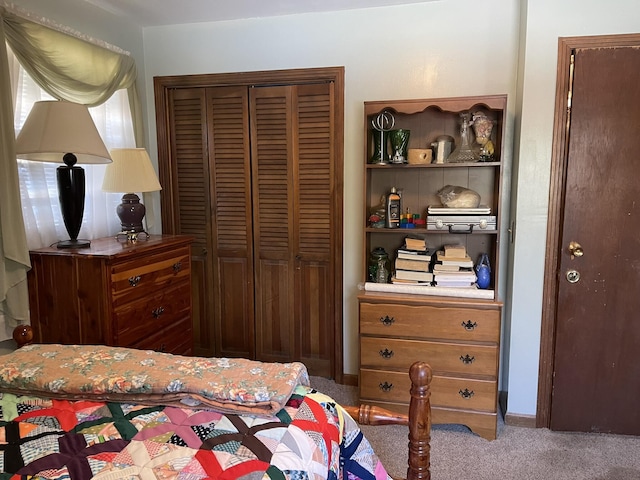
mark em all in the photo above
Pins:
pixel 482 127
pixel 379 266
pixel 483 272
pixel 399 142
pixel 463 152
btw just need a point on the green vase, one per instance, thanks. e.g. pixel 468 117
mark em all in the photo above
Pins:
pixel 399 142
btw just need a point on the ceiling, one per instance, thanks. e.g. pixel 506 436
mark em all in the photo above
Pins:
pixel 147 13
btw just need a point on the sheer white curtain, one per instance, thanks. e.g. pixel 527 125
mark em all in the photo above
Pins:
pixel 39 193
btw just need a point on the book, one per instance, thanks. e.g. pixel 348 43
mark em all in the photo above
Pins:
pixel 419 255
pixel 415 243
pixel 460 261
pixel 454 250
pixel 460 276
pixel 438 267
pixel 411 264
pixel 411 275
pixel 446 283
pixel 399 281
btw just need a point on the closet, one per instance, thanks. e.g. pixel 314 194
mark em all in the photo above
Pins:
pixel 251 167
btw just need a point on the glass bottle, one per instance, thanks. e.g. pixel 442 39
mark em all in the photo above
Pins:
pixel 463 152
pixel 379 266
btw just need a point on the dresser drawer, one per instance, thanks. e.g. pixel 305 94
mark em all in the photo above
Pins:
pixel 149 273
pixel 426 321
pixel 468 394
pixel 145 316
pixel 176 339
pixel 399 354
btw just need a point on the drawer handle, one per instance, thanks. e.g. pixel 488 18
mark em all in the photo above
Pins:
pixel 177 267
pixel 387 320
pixel 469 325
pixel 386 387
pixel 386 353
pixel 466 393
pixel 162 348
pixel 467 359
pixel 134 281
pixel 156 312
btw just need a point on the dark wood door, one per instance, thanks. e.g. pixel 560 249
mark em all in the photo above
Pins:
pixel 596 375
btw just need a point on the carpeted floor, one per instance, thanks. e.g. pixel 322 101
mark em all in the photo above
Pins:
pixel 517 454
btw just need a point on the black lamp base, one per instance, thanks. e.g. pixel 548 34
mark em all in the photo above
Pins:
pixel 71 187
pixel 71 243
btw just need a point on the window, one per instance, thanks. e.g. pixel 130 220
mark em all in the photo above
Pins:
pixel 39 194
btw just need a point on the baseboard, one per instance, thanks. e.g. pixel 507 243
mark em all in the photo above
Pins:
pixel 350 379
pixel 514 419
pixel 519 420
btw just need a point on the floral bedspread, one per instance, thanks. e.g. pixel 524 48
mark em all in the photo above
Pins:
pixel 144 376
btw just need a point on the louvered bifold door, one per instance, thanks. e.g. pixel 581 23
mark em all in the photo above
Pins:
pixel 315 202
pixel 186 198
pixel 229 159
pixel 292 184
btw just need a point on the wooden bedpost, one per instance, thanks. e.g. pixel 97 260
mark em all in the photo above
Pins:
pixel 420 422
pixel 23 335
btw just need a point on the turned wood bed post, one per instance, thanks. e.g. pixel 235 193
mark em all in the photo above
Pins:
pixel 23 335
pixel 418 420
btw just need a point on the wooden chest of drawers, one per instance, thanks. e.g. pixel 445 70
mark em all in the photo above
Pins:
pixel 460 339
pixel 114 293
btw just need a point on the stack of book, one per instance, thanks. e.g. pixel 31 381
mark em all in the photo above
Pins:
pixel 453 267
pixel 413 263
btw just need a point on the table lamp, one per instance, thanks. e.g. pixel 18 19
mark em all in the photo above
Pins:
pixel 131 171
pixel 64 132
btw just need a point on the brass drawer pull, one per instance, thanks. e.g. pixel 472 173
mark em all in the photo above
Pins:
pixel 387 320
pixel 156 312
pixel 469 325
pixel 466 393
pixel 467 359
pixel 177 267
pixel 134 281
pixel 386 353
pixel 386 387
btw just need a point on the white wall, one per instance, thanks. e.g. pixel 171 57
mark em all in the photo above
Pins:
pixel 546 21
pixel 434 49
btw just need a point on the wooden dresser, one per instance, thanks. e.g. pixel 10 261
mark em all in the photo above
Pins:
pixel 460 340
pixel 114 293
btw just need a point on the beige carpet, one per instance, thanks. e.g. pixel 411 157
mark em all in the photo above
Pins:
pixel 517 454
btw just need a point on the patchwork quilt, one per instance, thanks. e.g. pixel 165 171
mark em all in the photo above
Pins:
pixel 44 435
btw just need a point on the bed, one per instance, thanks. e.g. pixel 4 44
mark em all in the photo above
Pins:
pixel 81 412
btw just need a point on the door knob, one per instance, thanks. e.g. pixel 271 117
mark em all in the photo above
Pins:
pixel 575 249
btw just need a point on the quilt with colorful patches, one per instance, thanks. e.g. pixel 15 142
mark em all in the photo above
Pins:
pixel 311 437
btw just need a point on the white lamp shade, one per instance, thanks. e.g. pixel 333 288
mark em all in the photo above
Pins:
pixel 54 128
pixel 131 171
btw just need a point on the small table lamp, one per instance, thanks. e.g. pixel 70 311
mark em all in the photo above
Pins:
pixel 59 131
pixel 131 171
